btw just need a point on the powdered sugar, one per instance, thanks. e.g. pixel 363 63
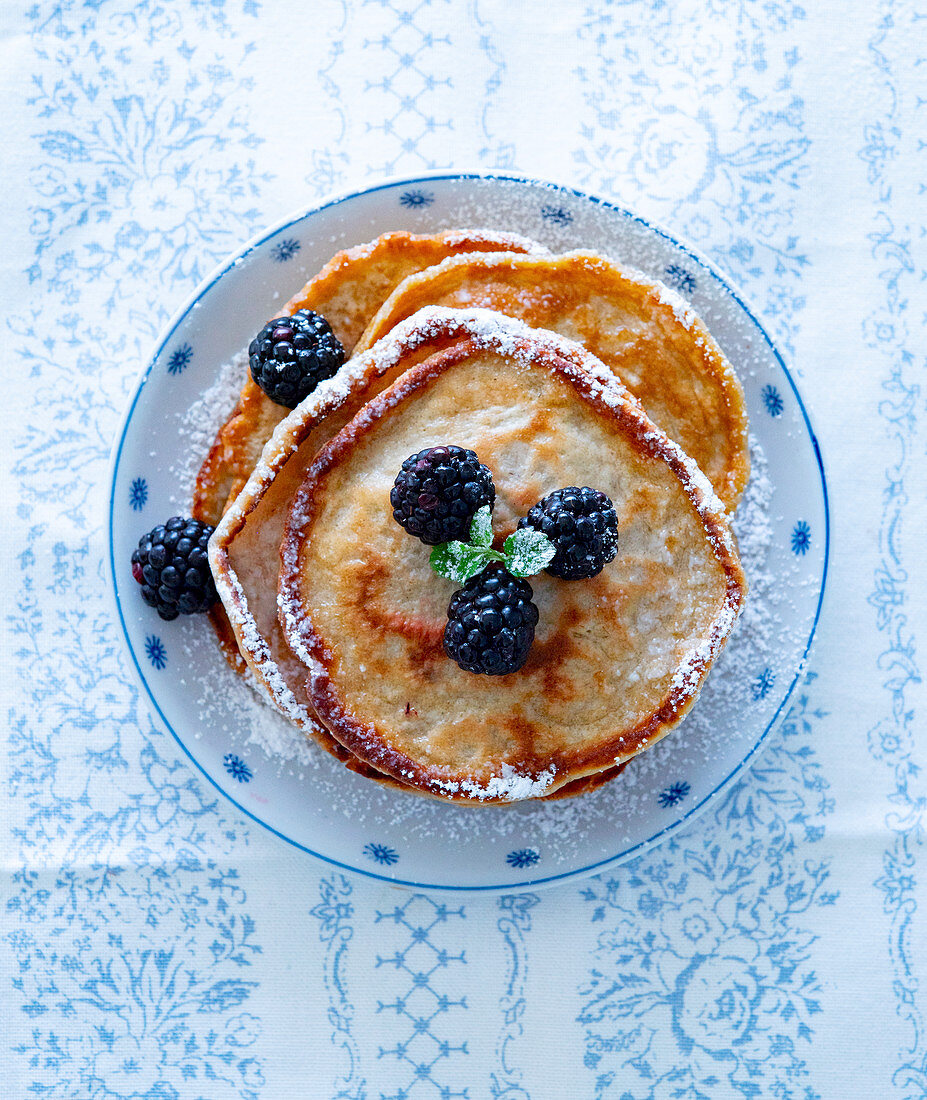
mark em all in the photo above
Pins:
pixel 241 707
pixel 454 238
pixel 510 785
pixel 682 311
pixel 263 665
pixel 201 420
pixel 753 530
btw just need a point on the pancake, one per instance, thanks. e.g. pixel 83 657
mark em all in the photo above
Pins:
pixel 618 659
pixel 640 329
pixel 348 291
pixel 244 551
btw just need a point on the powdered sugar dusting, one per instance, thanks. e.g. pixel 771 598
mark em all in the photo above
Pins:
pixel 682 311
pixel 510 785
pixel 241 707
pixel 754 532
pixel 201 421
pixel 263 665
pixel 457 237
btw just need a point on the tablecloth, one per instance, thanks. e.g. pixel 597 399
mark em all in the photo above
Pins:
pixel 155 943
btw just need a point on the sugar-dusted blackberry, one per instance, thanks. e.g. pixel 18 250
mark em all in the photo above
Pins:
pixel 171 566
pixel 290 356
pixel 582 525
pixel 490 622
pixel 438 491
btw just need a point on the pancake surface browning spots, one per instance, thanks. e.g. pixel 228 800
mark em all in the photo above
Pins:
pixel 362 606
pixel 639 328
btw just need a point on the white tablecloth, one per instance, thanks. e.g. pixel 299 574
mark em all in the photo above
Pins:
pixel 158 945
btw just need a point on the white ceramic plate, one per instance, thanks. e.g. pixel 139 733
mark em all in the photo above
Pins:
pixel 305 797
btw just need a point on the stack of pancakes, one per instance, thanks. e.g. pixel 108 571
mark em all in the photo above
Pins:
pixel 556 370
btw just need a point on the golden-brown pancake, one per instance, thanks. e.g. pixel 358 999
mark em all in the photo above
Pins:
pixel 244 552
pixel 639 328
pixel 348 291
pixel 618 659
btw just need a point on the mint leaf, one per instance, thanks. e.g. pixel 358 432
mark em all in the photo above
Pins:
pixel 481 527
pixel 527 552
pixel 458 561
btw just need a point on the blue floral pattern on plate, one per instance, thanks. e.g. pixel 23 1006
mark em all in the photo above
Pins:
pixel 285 250
pixel 801 538
pixel 772 400
pixel 138 494
pixel 522 858
pixel 763 684
pixel 237 768
pixel 416 198
pixel 674 794
pixel 680 278
pixel 155 651
pixel 557 215
pixel 179 359
pixel 381 853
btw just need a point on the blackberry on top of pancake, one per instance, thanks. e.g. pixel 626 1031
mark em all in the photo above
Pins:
pixel 438 491
pixel 290 356
pixel 582 525
pixel 490 622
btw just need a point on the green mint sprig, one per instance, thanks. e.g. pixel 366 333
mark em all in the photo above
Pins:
pixel 524 553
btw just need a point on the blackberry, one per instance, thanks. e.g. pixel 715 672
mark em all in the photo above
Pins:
pixel 171 566
pixel 582 525
pixel 438 491
pixel 290 356
pixel 490 622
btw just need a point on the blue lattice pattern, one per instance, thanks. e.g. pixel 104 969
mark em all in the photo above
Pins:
pixel 426 1012
pixel 405 100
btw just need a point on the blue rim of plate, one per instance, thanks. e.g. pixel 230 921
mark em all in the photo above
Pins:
pixel 396 182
